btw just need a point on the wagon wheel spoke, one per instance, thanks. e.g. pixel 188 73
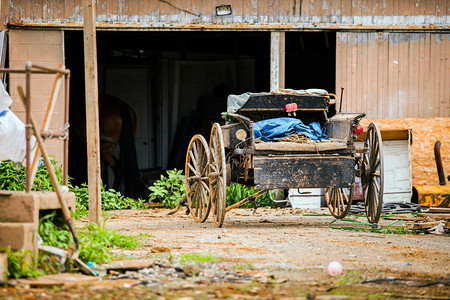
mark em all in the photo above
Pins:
pixel 217 182
pixel 338 201
pixel 197 190
pixel 374 180
pixel 194 160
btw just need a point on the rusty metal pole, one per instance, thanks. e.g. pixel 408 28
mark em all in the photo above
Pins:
pixel 440 168
pixel 28 128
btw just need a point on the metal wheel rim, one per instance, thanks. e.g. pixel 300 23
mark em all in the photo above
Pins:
pixel 217 170
pixel 197 181
pixel 339 201
pixel 374 182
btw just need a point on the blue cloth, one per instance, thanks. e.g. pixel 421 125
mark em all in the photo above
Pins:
pixel 274 129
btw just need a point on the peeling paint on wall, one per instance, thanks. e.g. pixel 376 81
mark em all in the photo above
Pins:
pixel 147 13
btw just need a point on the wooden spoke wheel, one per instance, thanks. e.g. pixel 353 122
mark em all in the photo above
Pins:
pixel 339 200
pixel 372 170
pixel 217 174
pixel 197 180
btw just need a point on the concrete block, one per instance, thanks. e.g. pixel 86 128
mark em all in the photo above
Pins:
pixel 19 236
pixel 3 267
pixel 49 200
pixel 19 207
pixel 53 37
pixel 26 37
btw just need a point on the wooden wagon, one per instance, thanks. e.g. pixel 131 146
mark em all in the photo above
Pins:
pixel 335 164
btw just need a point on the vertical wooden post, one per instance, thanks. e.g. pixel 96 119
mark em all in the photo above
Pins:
pixel 277 54
pixel 92 123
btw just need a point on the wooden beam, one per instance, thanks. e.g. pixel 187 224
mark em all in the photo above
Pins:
pixel 277 65
pixel 92 122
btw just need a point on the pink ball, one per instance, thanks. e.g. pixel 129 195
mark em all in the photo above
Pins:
pixel 334 268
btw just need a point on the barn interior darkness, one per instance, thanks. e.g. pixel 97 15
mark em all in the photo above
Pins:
pixel 178 82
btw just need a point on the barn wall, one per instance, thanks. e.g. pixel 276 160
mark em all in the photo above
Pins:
pixel 394 75
pixel 44 48
pixel 353 13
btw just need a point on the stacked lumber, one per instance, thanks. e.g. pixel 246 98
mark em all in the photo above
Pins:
pixel 428 221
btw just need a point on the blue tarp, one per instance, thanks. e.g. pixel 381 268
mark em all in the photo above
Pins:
pixel 274 129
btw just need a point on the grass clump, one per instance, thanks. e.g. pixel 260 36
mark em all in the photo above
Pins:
pixel 244 266
pixel 21 263
pixel 349 278
pixel 97 241
pixel 197 258
pixel 111 200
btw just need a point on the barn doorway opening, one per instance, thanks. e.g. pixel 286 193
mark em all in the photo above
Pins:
pixel 178 82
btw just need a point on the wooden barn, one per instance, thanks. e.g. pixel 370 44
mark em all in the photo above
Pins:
pixel 175 62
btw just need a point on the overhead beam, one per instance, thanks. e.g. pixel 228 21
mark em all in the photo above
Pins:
pixel 92 115
pixel 277 60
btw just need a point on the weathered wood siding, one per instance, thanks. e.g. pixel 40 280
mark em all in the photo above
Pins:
pixel 394 75
pixel 287 13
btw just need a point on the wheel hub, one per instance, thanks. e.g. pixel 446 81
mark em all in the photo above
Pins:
pixel 365 173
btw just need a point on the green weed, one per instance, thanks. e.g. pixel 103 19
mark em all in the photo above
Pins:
pixel 248 266
pixel 145 235
pixel 13 177
pixel 111 200
pixel 169 190
pixel 21 263
pixel 197 258
pixel 97 241
pixel 349 278
pixel 54 231
pixel 236 192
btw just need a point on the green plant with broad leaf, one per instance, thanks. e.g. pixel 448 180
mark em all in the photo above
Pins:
pixel 169 190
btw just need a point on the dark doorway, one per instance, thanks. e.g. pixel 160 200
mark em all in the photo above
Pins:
pixel 178 82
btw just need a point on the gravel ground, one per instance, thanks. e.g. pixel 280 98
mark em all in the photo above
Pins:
pixel 274 253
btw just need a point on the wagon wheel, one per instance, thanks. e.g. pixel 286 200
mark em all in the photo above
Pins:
pixel 372 170
pixel 339 200
pixel 197 181
pixel 217 174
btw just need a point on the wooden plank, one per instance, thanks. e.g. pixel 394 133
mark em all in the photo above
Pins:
pixel 354 72
pixel 403 59
pixel 391 134
pixel 436 216
pixel 263 11
pixel 385 74
pixel 439 210
pixel 372 80
pixel 306 147
pixel 436 61
pixel 277 101
pixel 277 60
pixel 429 74
pixel 339 66
pixel 446 76
pixel 250 11
pixel 426 225
pixel 410 78
pixel 303 172
pixel 92 122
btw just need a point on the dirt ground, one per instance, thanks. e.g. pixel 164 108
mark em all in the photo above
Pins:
pixel 285 253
